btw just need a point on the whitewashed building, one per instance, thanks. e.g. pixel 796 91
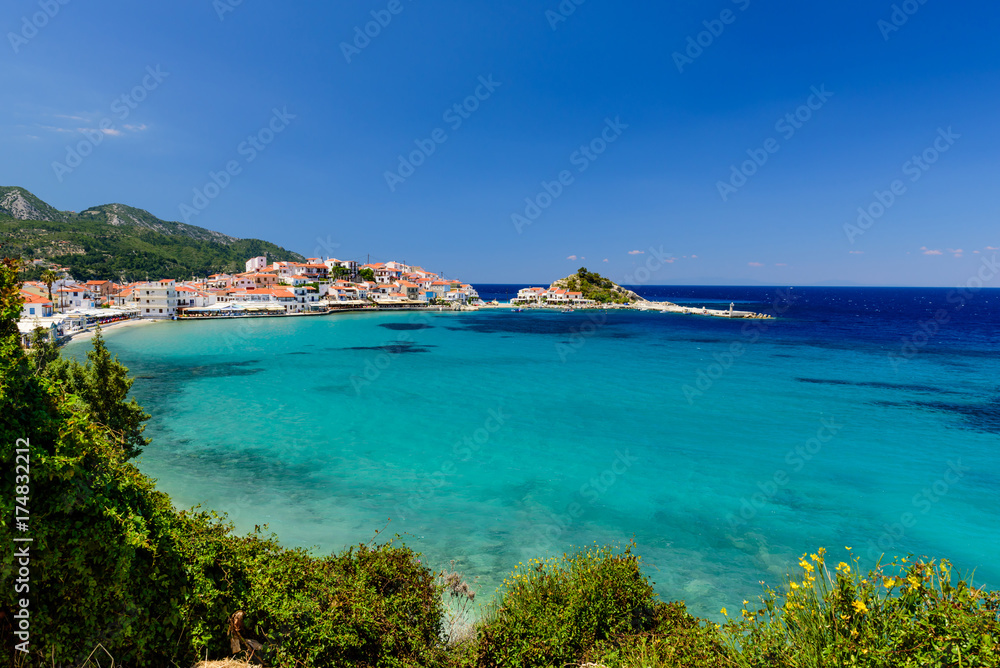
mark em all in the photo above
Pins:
pixel 157 299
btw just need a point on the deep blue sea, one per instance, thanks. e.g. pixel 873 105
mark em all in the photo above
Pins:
pixel 861 417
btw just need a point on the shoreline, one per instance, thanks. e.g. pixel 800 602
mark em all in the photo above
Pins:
pixel 89 332
pixel 659 307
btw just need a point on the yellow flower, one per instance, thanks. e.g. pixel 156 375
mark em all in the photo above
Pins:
pixel 889 583
pixel 745 601
pixel 860 607
pixel 843 568
pixel 723 611
pixel 795 585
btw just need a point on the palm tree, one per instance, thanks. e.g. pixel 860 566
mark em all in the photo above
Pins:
pixel 48 278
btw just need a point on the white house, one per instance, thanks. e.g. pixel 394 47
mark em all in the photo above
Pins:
pixel 157 299
pixel 73 297
pixel 256 263
pixel 530 294
pixel 35 306
pixel 191 297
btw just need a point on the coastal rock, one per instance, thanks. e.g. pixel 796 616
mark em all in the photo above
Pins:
pixel 567 283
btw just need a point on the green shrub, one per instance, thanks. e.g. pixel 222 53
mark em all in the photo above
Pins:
pixel 676 639
pixel 371 606
pixel 551 612
pixel 905 614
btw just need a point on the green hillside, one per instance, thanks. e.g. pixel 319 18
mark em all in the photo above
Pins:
pixel 594 286
pixel 115 241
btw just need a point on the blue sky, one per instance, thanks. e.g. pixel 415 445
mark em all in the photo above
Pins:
pixel 642 111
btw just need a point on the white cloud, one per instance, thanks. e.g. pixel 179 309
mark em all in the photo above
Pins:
pixel 571 257
pixel 755 264
pixel 53 128
pixel 604 260
pixel 930 251
pixel 856 252
pixel 637 252
pixel 780 264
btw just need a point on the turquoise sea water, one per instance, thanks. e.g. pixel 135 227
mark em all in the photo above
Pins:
pixel 726 449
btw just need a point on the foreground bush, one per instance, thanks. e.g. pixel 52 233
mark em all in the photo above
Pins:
pixel 562 611
pixel 905 614
pixel 371 606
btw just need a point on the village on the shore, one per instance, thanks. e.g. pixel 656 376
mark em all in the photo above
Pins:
pixel 313 287
pixel 62 306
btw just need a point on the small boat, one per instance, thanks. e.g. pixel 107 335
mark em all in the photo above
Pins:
pixel 516 310
pixel 567 310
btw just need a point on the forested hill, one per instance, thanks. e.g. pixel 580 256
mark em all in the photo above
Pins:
pixel 119 242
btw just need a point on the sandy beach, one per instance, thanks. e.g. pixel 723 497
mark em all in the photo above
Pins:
pixel 88 333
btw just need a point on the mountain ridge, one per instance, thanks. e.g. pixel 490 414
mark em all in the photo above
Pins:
pixel 110 240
